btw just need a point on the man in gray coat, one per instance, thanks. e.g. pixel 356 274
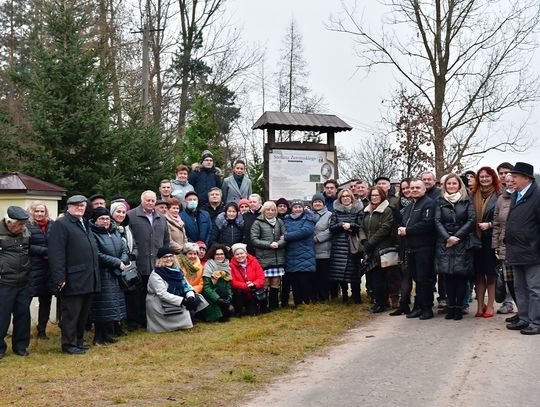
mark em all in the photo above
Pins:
pixel 14 294
pixel 151 233
pixel 74 264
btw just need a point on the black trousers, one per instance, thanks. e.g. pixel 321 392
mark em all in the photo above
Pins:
pixel 15 300
pixel 44 312
pixel 455 289
pixel 301 287
pixel 136 304
pixel 322 285
pixel 421 266
pixel 378 283
pixel 73 316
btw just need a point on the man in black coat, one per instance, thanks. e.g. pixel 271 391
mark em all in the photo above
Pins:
pixel 73 260
pixel 418 230
pixel 255 204
pixel 151 233
pixel 14 293
pixel 522 241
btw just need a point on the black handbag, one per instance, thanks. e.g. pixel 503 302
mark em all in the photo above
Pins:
pixel 261 294
pixel 129 277
pixel 500 285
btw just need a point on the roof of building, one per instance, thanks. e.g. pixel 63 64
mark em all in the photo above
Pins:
pixel 13 182
pixel 301 121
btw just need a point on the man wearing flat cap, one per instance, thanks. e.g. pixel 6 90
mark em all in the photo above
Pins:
pixel 73 260
pixel 522 241
pixel 14 294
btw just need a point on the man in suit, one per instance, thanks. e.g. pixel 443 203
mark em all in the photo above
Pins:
pixel 151 233
pixel 523 248
pixel 73 260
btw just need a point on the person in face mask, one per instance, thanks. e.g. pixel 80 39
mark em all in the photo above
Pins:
pixel 197 222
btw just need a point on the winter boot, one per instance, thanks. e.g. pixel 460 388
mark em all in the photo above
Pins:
pixel 273 298
pixel 451 313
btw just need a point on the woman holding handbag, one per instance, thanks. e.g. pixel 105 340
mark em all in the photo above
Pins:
pixel 378 235
pixel 247 280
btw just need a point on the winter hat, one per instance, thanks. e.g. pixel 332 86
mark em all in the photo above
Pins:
pixel 190 247
pixel 297 202
pixel 317 197
pixel 191 193
pixel 116 205
pixel 238 246
pixel 200 243
pixel 162 251
pixel 282 201
pixel 231 205
pixel 96 213
pixel 243 201
pixel 96 196
pixel 206 154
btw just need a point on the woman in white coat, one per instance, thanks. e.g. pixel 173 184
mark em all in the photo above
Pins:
pixel 238 185
pixel 170 297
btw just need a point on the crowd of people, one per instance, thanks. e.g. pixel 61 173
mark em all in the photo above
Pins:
pixel 207 249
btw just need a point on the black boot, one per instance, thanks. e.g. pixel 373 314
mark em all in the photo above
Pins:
pixel 108 333
pixel 99 333
pixel 451 312
pixel 273 298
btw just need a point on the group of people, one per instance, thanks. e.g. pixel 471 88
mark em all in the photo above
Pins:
pixel 208 249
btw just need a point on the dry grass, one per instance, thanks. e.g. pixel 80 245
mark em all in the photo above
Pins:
pixel 210 365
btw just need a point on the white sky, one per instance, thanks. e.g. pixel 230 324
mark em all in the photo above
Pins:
pixel 353 96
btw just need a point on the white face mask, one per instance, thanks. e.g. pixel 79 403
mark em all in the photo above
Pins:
pixel 192 204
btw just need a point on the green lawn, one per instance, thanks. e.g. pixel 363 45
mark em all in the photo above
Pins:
pixel 211 365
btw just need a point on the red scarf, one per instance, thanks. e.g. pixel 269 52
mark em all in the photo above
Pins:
pixel 42 224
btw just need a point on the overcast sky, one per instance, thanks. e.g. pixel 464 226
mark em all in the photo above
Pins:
pixel 349 94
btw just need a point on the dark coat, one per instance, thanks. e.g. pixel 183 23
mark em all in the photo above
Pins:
pixel 73 256
pixel 40 276
pixel 502 208
pixel 329 202
pixel 203 179
pixel 198 225
pixel 344 266
pixel 149 237
pixel 523 229
pixel 417 218
pixel 228 232
pixel 485 260
pixel 14 257
pixel 300 244
pixel 262 234
pixel 249 218
pixel 109 304
pixel 457 220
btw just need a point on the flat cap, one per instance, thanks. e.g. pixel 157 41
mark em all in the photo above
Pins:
pixel 17 213
pixel 96 196
pixel 75 199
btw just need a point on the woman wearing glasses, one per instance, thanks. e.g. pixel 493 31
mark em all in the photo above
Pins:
pixel 344 265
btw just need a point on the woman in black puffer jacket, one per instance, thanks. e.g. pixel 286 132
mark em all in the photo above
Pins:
pixel 39 275
pixel 455 221
pixel 344 266
pixel 108 305
pixel 229 226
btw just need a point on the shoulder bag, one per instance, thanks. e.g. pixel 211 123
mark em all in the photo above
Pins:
pixel 129 277
pixel 389 257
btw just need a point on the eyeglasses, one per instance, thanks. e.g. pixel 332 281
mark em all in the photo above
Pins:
pixel 168 256
pixel 345 196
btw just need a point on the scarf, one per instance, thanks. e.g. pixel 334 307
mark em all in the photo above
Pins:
pixel 190 269
pixel 215 271
pixel 42 224
pixel 404 202
pixel 174 278
pixel 238 179
pixel 272 221
pixel 481 199
pixel 296 215
pixel 452 198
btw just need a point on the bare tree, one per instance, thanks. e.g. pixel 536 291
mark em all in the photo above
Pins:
pixel 371 160
pixel 468 60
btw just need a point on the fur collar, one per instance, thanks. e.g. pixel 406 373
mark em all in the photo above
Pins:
pixel 222 221
pixel 356 206
pixel 379 209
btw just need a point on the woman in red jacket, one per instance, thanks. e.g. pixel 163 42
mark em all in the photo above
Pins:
pixel 247 277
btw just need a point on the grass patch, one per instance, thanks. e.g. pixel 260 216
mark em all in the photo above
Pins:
pixel 212 364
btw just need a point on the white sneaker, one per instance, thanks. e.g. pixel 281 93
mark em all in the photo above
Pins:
pixel 506 308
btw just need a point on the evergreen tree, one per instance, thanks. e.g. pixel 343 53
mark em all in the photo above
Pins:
pixel 68 98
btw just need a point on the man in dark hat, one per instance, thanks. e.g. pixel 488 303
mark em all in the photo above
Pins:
pixel 14 295
pixel 523 248
pixel 73 260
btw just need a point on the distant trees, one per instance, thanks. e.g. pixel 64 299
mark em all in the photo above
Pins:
pixel 467 61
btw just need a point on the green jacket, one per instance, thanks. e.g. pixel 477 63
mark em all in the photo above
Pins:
pixel 262 234
pixel 379 225
pixel 14 259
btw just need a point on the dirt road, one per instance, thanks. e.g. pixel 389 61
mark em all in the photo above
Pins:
pixel 408 362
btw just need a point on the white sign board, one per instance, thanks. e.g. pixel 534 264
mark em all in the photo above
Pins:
pixel 299 173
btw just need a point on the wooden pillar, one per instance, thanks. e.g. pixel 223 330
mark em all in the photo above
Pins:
pixel 330 139
pixel 271 137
